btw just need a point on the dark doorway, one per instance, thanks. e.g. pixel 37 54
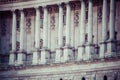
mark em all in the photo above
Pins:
pixel 61 79
pixel 105 77
pixel 83 78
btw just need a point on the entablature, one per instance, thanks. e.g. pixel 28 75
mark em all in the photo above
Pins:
pixel 21 4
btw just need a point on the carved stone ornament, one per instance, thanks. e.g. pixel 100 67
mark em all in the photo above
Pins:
pixel 28 25
pixel 52 22
pixel 41 43
pixel 18 25
pixel 99 14
pixel 76 18
pixel 17 46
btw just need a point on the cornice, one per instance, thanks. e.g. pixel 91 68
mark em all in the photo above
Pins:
pixel 31 4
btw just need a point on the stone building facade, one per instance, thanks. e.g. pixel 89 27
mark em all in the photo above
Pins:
pixel 59 40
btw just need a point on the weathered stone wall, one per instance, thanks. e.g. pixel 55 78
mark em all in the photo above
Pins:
pixel 71 71
pixel 29 39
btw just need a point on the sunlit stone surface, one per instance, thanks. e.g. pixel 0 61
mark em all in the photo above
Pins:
pixel 59 40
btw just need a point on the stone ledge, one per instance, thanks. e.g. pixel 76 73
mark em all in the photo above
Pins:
pixel 22 67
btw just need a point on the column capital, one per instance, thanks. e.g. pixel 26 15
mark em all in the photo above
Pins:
pixel 59 4
pixel 21 10
pixel 67 3
pixel 13 10
pixel 45 6
pixel 36 7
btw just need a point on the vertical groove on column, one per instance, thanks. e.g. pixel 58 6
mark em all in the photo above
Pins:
pixel 104 21
pixel 82 31
pixel 90 22
pixel 37 29
pixel 45 28
pixel 112 19
pixel 60 31
pixel 22 30
pixel 68 25
pixel 14 32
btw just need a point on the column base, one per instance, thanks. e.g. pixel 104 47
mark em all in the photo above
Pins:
pixel 67 53
pixel 35 56
pixel 59 52
pixel 12 58
pixel 103 49
pixel 21 57
pixel 44 56
pixel 90 52
pixel 111 48
pixel 81 52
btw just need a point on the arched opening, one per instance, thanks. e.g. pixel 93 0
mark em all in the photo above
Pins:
pixel 61 79
pixel 105 77
pixel 83 78
pixel 115 77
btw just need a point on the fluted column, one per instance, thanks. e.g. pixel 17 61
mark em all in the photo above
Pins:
pixel 22 27
pixel 112 20
pixel 89 45
pixel 90 22
pixel 45 28
pixel 12 54
pixel 44 52
pixel 67 48
pixel 37 29
pixel 22 30
pixel 37 37
pixel 111 46
pixel 68 11
pixel 60 35
pixel 103 46
pixel 60 29
pixel 81 47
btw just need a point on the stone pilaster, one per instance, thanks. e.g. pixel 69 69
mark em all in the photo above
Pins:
pixel 37 37
pixel 12 53
pixel 21 54
pixel 45 51
pixel 81 47
pixel 103 46
pixel 59 50
pixel 111 43
pixel 67 48
pixel 90 46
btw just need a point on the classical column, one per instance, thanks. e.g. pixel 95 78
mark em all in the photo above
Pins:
pixel 89 45
pixel 22 29
pixel 44 52
pixel 81 47
pixel 37 37
pixel 45 28
pixel 111 47
pixel 68 24
pixel 104 30
pixel 60 35
pixel 67 48
pixel 12 53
